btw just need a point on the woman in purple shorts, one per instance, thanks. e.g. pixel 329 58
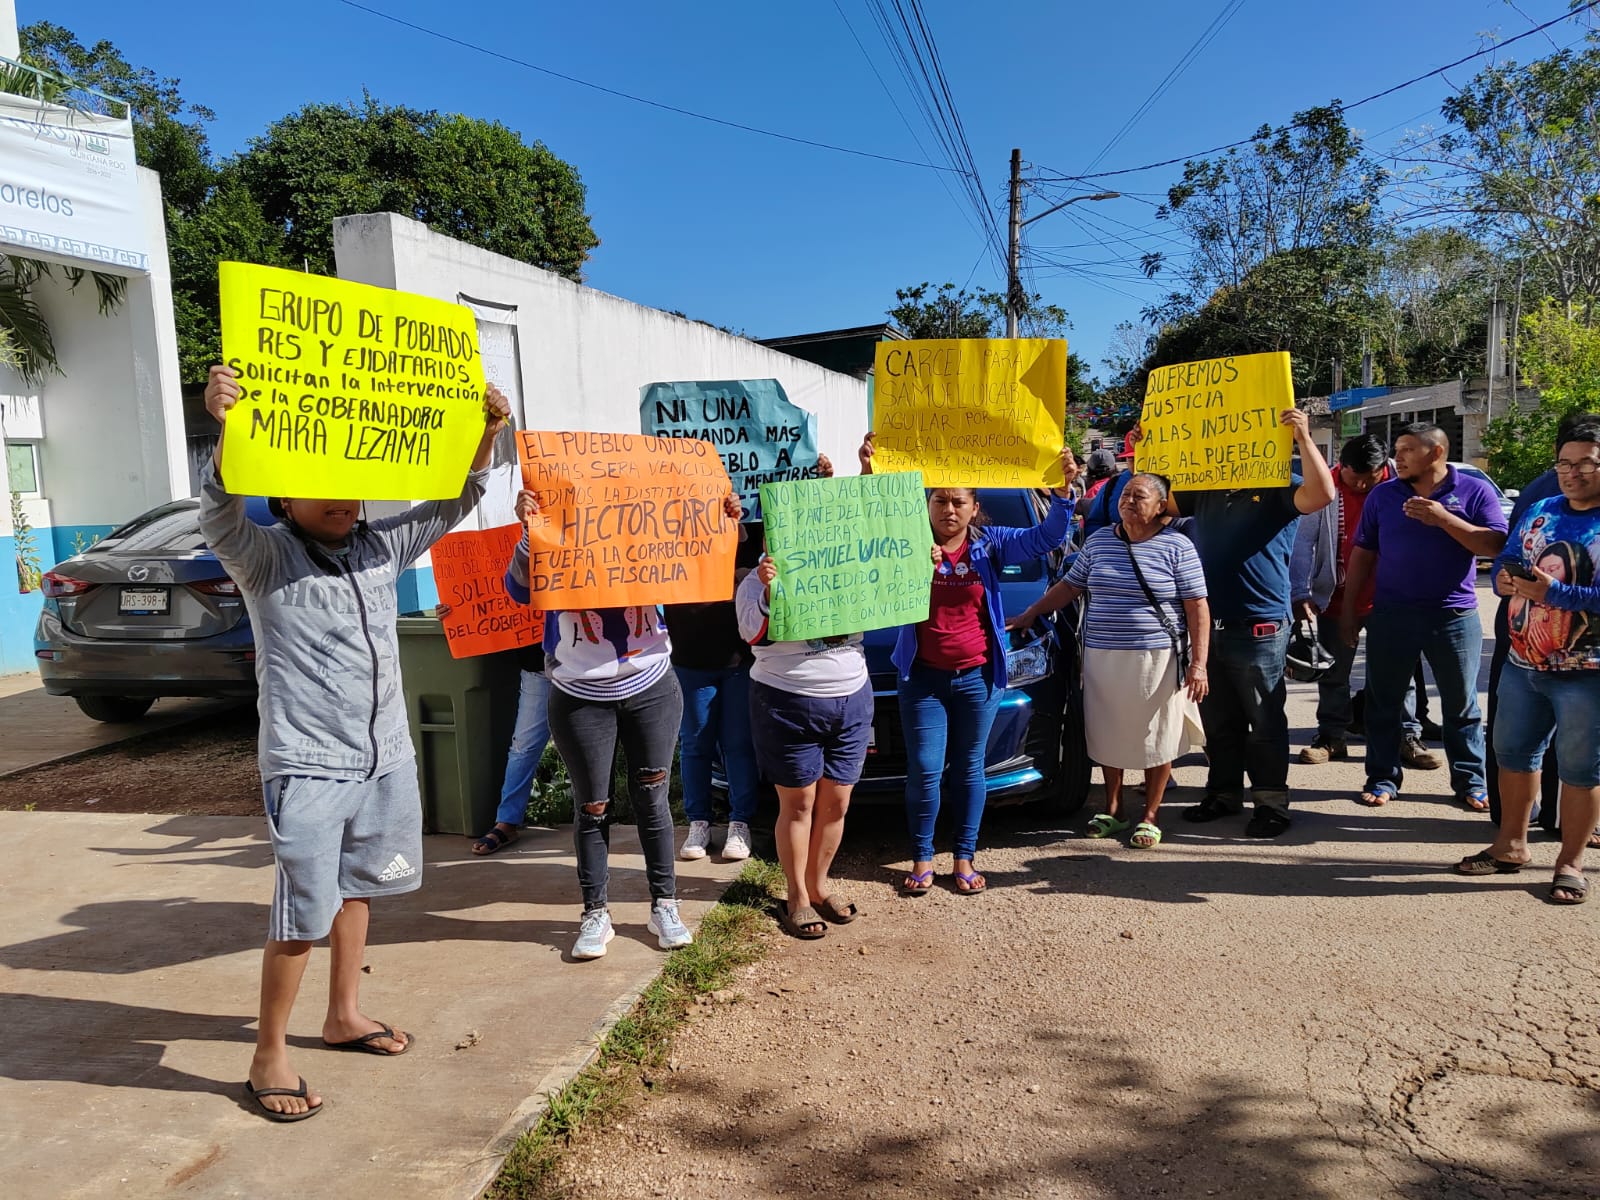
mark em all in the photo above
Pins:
pixel 810 718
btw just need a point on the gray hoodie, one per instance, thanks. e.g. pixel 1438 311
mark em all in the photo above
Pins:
pixel 327 655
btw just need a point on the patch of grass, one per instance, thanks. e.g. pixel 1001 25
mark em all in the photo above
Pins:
pixel 729 937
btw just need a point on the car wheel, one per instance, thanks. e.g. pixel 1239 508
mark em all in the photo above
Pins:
pixel 115 710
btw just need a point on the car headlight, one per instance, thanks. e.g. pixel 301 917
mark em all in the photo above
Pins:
pixel 1028 664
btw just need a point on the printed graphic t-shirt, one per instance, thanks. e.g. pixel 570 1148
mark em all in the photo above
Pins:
pixel 953 637
pixel 1562 634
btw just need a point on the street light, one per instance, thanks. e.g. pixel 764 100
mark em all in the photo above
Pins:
pixel 1014 260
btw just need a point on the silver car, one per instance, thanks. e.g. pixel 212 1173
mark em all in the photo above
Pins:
pixel 144 613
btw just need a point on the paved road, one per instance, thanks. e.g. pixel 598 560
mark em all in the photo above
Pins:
pixel 128 972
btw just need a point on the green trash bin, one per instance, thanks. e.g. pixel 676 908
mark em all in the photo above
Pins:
pixel 462 712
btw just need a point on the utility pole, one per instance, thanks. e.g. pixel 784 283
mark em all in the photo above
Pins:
pixel 1014 228
pixel 1014 254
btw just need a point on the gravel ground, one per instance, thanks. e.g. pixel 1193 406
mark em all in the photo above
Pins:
pixel 207 768
pixel 1332 1014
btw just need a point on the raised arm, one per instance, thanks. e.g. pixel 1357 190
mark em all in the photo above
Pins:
pixel 1316 488
pixel 247 551
pixel 409 534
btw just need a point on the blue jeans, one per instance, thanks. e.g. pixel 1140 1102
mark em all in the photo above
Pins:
pixel 1246 728
pixel 527 748
pixel 946 716
pixel 1335 707
pixel 1452 642
pixel 716 712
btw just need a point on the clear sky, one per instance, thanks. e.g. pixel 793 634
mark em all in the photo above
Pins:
pixel 775 238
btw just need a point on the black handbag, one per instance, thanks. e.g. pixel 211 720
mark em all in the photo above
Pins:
pixel 1180 637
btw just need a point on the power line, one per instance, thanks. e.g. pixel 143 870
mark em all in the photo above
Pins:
pixel 882 83
pixel 1207 36
pixel 1389 91
pixel 657 104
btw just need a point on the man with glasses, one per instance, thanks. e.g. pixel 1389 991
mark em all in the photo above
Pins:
pixel 1548 688
pixel 1547 811
pixel 1422 534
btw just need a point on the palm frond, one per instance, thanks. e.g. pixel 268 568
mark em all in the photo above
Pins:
pixel 29 332
pixel 110 290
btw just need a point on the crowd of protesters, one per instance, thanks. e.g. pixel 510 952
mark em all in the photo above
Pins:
pixel 1190 605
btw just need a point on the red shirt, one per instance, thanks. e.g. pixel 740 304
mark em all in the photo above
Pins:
pixel 1351 504
pixel 953 637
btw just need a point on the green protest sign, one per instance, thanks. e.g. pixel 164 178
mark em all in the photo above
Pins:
pixel 852 554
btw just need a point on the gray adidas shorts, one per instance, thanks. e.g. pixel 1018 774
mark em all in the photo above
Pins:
pixel 336 840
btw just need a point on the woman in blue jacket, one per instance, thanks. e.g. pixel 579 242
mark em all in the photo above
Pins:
pixel 952 666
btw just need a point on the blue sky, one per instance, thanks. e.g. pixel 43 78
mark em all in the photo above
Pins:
pixel 777 238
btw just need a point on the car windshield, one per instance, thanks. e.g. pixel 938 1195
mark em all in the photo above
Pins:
pixel 1477 474
pixel 171 528
pixel 1014 507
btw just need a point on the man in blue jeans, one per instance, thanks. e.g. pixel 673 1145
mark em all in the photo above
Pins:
pixel 1422 534
pixel 1245 537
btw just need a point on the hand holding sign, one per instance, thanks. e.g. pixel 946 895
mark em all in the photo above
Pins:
pixel 616 519
pixel 1219 424
pixel 346 389
pixel 971 412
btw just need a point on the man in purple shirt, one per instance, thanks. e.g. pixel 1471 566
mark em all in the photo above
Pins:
pixel 1424 532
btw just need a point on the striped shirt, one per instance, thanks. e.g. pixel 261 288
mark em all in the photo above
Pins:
pixel 1119 616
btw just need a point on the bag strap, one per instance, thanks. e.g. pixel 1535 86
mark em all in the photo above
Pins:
pixel 1169 626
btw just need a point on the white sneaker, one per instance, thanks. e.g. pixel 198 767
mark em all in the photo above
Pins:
pixel 665 923
pixel 695 845
pixel 737 844
pixel 593 934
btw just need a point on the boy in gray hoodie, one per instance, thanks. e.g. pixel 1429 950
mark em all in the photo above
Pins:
pixel 337 767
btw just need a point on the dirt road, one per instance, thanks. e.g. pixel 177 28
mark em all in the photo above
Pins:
pixel 1332 1014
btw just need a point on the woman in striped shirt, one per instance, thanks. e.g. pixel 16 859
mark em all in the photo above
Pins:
pixel 1140 701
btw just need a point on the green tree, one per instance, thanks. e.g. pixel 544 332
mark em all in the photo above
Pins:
pixel 169 133
pixel 1434 287
pixel 1561 356
pixel 1284 237
pixel 1527 144
pixel 471 179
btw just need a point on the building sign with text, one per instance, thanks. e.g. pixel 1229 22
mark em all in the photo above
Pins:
pixel 69 186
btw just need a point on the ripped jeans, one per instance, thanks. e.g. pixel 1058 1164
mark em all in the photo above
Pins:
pixel 586 733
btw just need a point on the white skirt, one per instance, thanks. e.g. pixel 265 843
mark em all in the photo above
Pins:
pixel 1135 715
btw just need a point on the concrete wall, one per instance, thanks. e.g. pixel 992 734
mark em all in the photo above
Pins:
pixel 584 354
pixel 109 427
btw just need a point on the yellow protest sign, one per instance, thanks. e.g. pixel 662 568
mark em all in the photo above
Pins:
pixel 1216 424
pixel 971 412
pixel 347 391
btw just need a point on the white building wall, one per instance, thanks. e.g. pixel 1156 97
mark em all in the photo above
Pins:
pixel 108 427
pixel 585 354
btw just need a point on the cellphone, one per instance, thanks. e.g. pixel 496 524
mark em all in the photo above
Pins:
pixel 1517 571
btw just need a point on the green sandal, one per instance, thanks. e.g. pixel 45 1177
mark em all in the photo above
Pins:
pixel 1150 835
pixel 1103 825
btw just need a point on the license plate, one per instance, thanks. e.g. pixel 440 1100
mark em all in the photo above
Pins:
pixel 144 600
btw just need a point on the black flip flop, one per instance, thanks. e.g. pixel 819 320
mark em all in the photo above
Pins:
pixel 268 1113
pixel 364 1044
pixel 1484 863
pixel 495 840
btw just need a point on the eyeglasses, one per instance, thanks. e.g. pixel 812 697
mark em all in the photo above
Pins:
pixel 1583 468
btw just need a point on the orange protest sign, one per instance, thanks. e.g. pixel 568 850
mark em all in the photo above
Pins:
pixel 479 618
pixel 626 520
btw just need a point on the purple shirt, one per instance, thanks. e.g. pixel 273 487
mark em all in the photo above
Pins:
pixel 1420 566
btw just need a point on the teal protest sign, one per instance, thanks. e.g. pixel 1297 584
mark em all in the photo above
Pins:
pixel 761 436
pixel 852 554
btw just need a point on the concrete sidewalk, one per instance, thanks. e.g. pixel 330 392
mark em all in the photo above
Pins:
pixel 128 977
pixel 56 729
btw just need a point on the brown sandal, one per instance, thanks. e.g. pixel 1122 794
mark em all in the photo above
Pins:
pixel 803 923
pixel 837 911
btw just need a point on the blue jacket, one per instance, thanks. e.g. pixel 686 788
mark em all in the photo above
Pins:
pixel 994 547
